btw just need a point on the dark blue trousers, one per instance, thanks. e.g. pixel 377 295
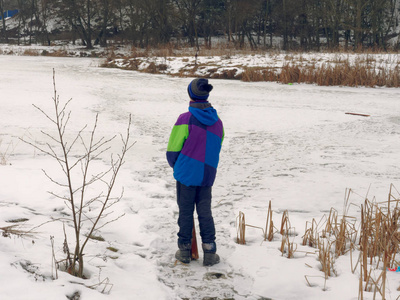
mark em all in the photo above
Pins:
pixel 188 198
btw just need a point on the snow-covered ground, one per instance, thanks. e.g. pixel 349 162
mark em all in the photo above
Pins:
pixel 293 145
pixel 233 65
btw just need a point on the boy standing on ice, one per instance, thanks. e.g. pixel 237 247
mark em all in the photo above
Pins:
pixel 193 152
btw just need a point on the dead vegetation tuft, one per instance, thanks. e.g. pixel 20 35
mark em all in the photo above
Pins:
pixel 368 232
pixel 352 70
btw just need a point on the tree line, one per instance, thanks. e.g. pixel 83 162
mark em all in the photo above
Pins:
pixel 295 24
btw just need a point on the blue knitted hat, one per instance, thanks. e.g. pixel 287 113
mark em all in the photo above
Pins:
pixel 199 89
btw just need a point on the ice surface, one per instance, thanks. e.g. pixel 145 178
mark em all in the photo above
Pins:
pixel 293 145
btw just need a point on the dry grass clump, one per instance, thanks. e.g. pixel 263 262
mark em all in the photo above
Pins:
pixel 351 70
pixel 15 230
pixel 3 159
pixel 328 74
pixel 136 64
pixel 241 229
pixel 288 247
pixel 326 257
pixel 154 68
pixel 6 152
pixel 132 64
pixel 226 74
pixel 31 52
pixel 109 63
pixel 379 242
pixel 56 53
pixel 369 232
pixel 332 236
pixel 260 74
pixel 311 236
pixel 373 234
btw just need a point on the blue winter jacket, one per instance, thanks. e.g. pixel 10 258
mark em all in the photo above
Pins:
pixel 194 146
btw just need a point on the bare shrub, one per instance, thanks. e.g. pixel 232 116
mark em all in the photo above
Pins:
pixel 90 208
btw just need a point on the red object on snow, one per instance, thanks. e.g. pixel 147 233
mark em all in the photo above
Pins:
pixel 195 250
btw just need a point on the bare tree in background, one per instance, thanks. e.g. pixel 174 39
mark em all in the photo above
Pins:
pixel 300 24
pixel 188 12
pixel 4 29
pixel 80 15
pixel 107 14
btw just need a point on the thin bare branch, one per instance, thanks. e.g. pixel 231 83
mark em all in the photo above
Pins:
pixel 60 197
pixel 45 114
pixel 54 181
pixel 111 221
pixel 75 140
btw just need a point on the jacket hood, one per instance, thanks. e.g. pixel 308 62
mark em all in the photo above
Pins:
pixel 207 116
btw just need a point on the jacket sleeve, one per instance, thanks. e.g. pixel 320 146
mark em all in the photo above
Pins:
pixel 223 135
pixel 176 141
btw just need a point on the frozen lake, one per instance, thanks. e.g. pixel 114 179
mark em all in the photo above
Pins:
pixel 293 145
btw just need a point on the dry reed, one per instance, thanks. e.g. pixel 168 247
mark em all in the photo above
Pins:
pixel 326 258
pixel 241 229
pixel 287 246
pixel 285 223
pixel 372 230
pixel 269 226
pixel 364 70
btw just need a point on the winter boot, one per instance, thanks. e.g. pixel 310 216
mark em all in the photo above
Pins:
pixel 184 253
pixel 210 257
